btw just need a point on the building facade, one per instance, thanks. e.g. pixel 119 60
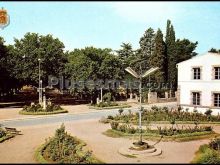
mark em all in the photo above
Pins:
pixel 199 83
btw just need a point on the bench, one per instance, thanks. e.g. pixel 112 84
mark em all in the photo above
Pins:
pixel 12 130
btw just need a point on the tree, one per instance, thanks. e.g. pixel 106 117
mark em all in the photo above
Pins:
pixel 213 50
pixel 125 54
pixel 26 52
pixel 171 54
pixel 185 49
pixel 93 64
pixel 158 58
pixel 147 44
pixel 111 68
pixel 126 51
pixel 7 83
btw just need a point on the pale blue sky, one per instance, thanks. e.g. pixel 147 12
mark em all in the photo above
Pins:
pixel 108 24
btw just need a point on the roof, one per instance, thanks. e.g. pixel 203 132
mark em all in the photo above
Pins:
pixel 200 56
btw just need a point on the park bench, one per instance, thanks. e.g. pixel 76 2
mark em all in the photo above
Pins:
pixel 12 130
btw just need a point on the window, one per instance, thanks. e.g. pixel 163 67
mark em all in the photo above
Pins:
pixel 196 98
pixel 196 73
pixel 217 99
pixel 217 73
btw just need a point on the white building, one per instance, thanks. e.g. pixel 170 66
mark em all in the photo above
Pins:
pixel 199 83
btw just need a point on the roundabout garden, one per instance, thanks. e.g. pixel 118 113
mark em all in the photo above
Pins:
pixel 38 109
pixel 108 103
pixel 63 148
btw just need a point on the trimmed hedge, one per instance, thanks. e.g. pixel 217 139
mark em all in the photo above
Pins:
pixel 22 112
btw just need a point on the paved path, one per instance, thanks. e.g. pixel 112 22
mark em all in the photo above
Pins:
pixel 79 112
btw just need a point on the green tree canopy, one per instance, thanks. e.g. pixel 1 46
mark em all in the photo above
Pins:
pixel 185 49
pixel 158 58
pixel 93 63
pixel 25 55
pixel 213 50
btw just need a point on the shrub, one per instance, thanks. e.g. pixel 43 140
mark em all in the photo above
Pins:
pixel 101 104
pixel 122 128
pixel 215 144
pixel 208 112
pixel 120 111
pixel 208 128
pixel 2 133
pixel 165 109
pixel 110 117
pixel 63 148
pixel 155 108
pixel 167 115
pixel 114 125
pixel 108 97
pixel 172 121
pixel 39 108
pixel 131 130
pixel 179 108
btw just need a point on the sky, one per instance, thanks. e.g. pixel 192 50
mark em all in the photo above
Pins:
pixel 108 24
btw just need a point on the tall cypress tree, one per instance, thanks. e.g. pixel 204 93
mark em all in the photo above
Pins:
pixel 147 45
pixel 158 58
pixel 171 55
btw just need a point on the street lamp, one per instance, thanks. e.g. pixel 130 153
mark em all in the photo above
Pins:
pixel 40 84
pixel 140 76
pixel 40 90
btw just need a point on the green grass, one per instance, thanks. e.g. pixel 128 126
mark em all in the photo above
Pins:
pixel 156 137
pixel 39 154
pixel 42 113
pixel 206 155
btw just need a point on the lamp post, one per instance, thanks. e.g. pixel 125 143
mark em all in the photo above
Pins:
pixel 40 89
pixel 40 84
pixel 140 76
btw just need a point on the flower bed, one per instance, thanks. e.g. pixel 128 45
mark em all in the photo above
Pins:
pixel 4 135
pixel 168 133
pixel 164 114
pixel 63 148
pixel 156 137
pixel 37 109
